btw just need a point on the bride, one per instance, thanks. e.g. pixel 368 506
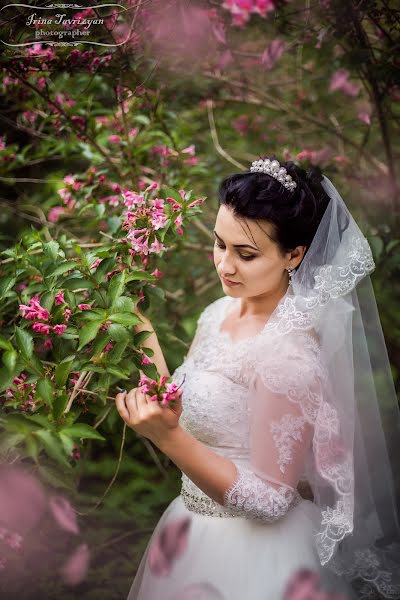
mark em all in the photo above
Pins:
pixel 287 428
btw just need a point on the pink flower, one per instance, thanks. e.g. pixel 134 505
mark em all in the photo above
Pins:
pixel 340 81
pixel 34 311
pixel 59 329
pixel 41 328
pixel 59 298
pixel 190 150
pixel 178 223
pixel 96 263
pixel 156 247
pixel 64 514
pixel 75 568
pixel 273 53
pixel 364 116
pixel 67 314
pixel 132 133
pixel 84 306
pixel 114 139
pixel 146 360
pixel 157 273
pixel 108 347
pixel 48 344
pixel 55 213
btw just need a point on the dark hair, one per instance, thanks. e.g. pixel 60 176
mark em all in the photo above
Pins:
pixel 294 215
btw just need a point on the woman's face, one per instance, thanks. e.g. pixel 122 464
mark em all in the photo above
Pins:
pixel 243 253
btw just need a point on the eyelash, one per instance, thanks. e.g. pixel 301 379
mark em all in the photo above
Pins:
pixel 241 255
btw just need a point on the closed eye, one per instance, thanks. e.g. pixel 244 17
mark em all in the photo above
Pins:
pixel 242 256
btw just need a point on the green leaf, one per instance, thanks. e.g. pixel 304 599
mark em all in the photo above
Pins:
pixel 60 269
pixel 117 372
pixel 53 446
pixel 150 371
pixel 100 342
pixel 6 379
pixel 10 359
pixel 6 283
pixel 140 337
pixel 5 344
pixel 376 244
pixel 140 276
pixel 59 404
pixel 125 319
pixel 51 249
pixel 55 477
pixel 45 390
pixel 116 287
pixel 67 442
pixel 88 333
pixel 118 333
pixel 82 430
pixel 117 352
pixel 124 304
pixel 77 283
pixel 24 342
pixel 62 370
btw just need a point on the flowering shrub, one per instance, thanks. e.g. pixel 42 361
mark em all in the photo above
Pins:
pixel 68 318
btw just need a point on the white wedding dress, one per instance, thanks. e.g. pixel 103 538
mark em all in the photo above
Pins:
pixel 240 401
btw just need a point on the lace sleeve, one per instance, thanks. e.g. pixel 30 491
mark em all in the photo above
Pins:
pixel 284 397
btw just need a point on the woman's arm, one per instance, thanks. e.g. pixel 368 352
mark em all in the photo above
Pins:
pixel 152 343
pixel 212 473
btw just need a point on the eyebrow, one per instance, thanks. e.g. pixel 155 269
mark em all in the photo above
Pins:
pixel 237 245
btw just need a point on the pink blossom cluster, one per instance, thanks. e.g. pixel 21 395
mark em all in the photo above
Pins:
pixel 11 539
pixel 162 391
pixel 25 393
pixel 7 155
pixel 152 216
pixel 35 312
pixel 165 153
pixel 89 59
pixel 242 9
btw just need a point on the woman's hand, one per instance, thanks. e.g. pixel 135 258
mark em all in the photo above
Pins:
pixel 148 417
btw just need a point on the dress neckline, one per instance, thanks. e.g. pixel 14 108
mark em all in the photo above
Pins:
pixel 229 303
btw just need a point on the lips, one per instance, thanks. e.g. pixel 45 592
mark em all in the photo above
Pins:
pixel 230 282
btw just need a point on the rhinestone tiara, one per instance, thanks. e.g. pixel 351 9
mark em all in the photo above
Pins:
pixel 273 168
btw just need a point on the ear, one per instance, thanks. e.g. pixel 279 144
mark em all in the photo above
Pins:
pixel 296 256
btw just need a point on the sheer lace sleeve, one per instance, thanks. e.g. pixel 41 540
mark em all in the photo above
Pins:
pixel 284 397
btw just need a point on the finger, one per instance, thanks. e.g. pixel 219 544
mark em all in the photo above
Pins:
pixel 121 406
pixel 131 403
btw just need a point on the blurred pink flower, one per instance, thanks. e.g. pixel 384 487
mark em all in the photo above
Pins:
pixel 272 53
pixel 84 306
pixel 340 81
pixel 364 116
pixel 168 545
pixel 75 568
pixel 55 213
pixel 64 514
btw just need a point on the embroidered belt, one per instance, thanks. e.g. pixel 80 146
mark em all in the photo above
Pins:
pixel 198 502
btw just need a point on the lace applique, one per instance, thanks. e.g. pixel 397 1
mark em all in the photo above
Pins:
pixel 258 500
pixel 285 432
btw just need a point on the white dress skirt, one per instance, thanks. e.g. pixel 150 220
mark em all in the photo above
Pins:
pixel 228 558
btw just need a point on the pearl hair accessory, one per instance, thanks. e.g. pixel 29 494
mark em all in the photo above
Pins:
pixel 273 168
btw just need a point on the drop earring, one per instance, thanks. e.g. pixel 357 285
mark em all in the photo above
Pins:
pixel 290 271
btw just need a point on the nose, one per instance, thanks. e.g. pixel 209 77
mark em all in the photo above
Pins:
pixel 226 266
